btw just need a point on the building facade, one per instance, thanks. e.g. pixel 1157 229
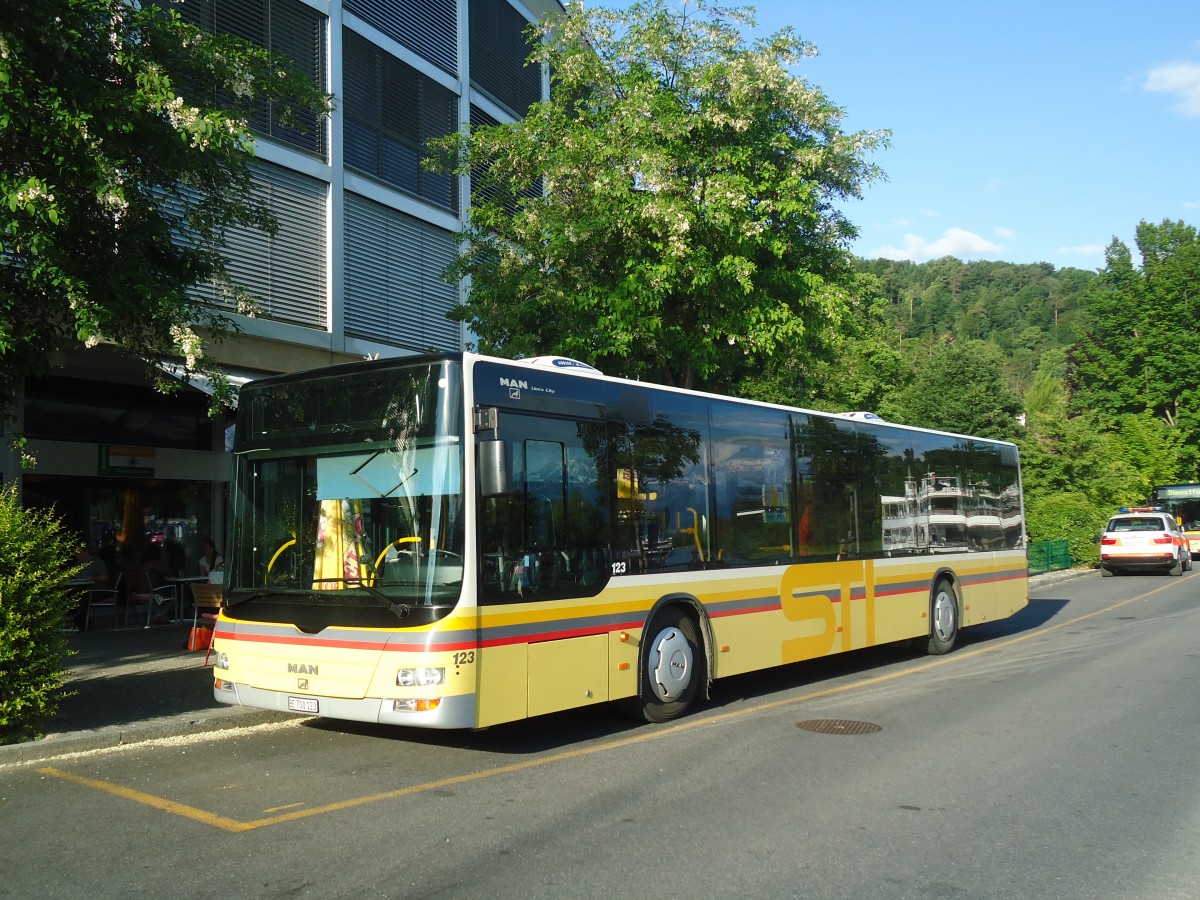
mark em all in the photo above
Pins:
pixel 354 271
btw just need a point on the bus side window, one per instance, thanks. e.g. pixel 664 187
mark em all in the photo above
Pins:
pixel 752 475
pixel 823 451
pixel 548 535
pixel 660 488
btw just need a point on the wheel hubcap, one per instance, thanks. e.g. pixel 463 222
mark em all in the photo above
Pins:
pixel 943 616
pixel 670 664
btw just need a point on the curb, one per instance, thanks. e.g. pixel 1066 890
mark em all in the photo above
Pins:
pixel 55 745
pixel 1040 581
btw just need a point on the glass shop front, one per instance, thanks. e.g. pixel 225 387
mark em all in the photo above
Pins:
pixel 131 471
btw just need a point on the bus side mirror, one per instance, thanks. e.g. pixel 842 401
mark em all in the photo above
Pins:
pixel 495 468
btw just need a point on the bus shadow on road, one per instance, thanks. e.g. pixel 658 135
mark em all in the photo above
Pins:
pixel 607 721
pixel 1035 614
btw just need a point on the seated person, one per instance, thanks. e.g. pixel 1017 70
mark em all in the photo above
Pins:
pixel 94 569
pixel 210 560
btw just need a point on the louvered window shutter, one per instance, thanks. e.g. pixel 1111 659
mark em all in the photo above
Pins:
pixel 394 290
pixel 428 28
pixel 289 28
pixel 391 110
pixel 499 48
pixel 286 273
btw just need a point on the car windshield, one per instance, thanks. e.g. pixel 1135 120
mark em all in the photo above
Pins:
pixel 1137 524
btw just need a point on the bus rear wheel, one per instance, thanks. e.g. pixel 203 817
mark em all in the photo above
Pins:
pixel 672 666
pixel 943 618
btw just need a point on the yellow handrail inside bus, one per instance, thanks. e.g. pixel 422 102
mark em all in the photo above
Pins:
pixel 696 532
pixel 282 547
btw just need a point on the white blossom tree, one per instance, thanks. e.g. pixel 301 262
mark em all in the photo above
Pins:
pixel 124 158
pixel 689 224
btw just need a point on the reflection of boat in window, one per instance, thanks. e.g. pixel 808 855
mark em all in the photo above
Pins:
pixel 932 516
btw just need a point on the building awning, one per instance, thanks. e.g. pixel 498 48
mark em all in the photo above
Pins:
pixel 236 377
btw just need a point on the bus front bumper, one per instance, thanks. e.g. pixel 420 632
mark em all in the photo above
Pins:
pixel 451 712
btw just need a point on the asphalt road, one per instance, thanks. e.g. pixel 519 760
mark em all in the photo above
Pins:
pixel 1052 755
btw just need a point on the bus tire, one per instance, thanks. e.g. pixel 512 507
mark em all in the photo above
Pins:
pixel 943 618
pixel 672 667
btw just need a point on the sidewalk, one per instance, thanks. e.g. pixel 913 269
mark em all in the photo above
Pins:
pixel 136 684
pixel 132 685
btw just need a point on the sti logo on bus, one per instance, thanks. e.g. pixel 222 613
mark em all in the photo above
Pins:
pixel 302 669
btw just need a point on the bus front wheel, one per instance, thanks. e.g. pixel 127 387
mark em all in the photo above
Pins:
pixel 672 666
pixel 943 618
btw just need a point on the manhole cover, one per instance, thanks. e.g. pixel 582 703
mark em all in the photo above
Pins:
pixel 838 726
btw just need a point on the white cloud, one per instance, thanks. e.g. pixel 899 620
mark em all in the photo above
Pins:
pixel 1005 234
pixel 954 242
pixel 1180 79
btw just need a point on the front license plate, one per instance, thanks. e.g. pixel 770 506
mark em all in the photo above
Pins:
pixel 302 704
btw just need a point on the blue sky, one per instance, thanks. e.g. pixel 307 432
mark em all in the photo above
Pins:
pixel 1021 131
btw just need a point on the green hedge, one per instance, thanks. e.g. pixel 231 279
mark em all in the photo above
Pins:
pixel 36 561
pixel 1070 517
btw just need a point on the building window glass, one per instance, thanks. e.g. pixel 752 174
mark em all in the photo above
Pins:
pixel 288 29
pixel 428 28
pixel 72 409
pixel 127 520
pixel 391 110
pixel 499 49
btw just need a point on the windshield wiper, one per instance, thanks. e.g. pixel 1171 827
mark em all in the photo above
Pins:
pixel 400 610
pixel 236 600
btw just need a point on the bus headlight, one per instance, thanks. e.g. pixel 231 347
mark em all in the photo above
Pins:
pixel 424 676
pixel 222 660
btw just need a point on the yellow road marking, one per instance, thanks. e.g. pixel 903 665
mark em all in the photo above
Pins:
pixel 233 825
pixel 179 809
pixel 271 809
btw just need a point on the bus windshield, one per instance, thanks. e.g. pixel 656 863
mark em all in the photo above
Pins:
pixel 348 497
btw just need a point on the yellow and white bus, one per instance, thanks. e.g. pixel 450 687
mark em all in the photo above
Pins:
pixel 456 541
pixel 1183 502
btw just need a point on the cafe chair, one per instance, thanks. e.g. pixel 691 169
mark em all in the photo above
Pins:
pixel 155 599
pixel 207 607
pixel 103 600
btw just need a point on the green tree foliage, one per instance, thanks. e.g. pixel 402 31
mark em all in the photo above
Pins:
pixel 121 131
pixel 1077 472
pixel 1138 350
pixel 688 226
pixel 958 387
pixel 36 560
pixel 1047 392
pixel 1112 467
pixel 865 364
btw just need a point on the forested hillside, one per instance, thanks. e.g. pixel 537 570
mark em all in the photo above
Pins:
pixel 1092 373
pixel 1024 310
